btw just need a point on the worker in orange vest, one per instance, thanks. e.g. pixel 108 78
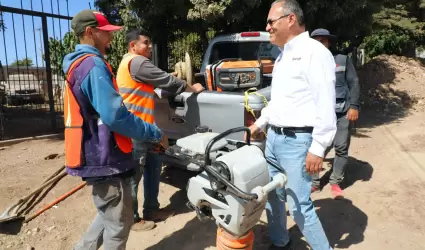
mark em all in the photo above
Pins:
pixel 137 78
pixel 98 128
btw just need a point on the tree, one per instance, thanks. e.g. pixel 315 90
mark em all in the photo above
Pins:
pixel 401 17
pixel 118 49
pixel 186 25
pixel 59 48
pixel 397 28
pixel 24 62
pixel 348 19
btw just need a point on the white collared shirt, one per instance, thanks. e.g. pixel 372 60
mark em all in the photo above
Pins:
pixel 303 91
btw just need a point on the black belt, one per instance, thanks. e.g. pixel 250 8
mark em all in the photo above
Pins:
pixel 291 130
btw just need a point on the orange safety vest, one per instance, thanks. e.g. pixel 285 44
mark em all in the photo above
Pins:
pixel 138 97
pixel 74 122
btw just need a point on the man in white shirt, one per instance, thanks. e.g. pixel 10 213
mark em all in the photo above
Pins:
pixel 302 122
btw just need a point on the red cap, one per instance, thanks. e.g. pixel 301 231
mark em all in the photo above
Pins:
pixel 103 23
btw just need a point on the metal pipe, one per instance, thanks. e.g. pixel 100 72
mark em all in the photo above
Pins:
pixel 31 12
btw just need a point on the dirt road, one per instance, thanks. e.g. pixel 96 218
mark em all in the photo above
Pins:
pixel 383 210
pixel 384 185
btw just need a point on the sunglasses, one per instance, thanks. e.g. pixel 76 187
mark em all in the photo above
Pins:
pixel 272 21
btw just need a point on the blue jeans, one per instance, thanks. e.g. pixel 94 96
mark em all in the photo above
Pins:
pixel 150 169
pixel 290 153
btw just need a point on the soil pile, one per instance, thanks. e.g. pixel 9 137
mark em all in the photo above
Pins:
pixel 392 84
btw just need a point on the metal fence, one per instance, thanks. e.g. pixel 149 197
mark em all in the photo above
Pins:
pixel 30 87
pixel 182 41
pixel 31 81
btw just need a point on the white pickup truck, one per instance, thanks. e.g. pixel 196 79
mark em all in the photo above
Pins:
pixel 179 116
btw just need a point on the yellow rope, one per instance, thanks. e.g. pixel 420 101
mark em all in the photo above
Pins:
pixel 253 91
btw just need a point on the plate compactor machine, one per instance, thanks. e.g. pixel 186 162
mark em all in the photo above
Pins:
pixel 232 189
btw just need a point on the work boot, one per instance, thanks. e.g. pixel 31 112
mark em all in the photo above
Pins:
pixel 143 225
pixel 159 215
pixel 336 192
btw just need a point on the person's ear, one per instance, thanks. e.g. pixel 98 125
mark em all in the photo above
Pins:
pixel 292 19
pixel 89 31
pixel 132 45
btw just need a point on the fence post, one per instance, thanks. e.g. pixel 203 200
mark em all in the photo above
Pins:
pixel 49 73
pixel 155 54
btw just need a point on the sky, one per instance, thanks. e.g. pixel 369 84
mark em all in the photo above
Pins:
pixel 22 30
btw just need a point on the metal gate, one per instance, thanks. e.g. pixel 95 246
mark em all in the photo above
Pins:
pixel 31 79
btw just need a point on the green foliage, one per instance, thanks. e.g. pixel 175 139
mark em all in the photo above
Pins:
pixel 24 62
pixel 349 20
pixel 397 28
pixel 184 24
pixel 230 10
pixel 112 9
pixel 118 49
pixel 58 49
pixel 190 43
pixel 398 18
pixel 386 42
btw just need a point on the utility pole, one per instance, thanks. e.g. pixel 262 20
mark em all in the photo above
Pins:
pixel 41 47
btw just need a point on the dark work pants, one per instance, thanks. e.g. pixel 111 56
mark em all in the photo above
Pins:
pixel 341 144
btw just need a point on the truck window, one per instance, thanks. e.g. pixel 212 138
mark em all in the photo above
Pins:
pixel 243 50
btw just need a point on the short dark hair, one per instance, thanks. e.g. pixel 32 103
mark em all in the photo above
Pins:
pixel 293 7
pixel 134 35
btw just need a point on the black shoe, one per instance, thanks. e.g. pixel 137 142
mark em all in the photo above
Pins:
pixel 286 247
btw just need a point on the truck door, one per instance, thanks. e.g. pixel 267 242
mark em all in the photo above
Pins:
pixel 175 116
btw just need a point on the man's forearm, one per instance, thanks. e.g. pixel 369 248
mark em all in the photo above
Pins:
pixel 108 104
pixel 353 85
pixel 142 70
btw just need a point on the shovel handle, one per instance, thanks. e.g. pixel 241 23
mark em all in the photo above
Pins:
pixel 45 184
pixel 55 173
pixel 23 200
pixel 59 199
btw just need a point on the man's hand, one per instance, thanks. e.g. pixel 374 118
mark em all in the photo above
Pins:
pixel 197 88
pixel 175 74
pixel 164 141
pixel 352 115
pixel 254 130
pixel 313 163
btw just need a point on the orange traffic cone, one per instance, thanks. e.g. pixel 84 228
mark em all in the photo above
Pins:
pixel 227 241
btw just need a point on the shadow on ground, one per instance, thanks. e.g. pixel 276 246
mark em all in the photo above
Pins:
pixel 357 170
pixel 195 235
pixel 177 178
pixel 381 102
pixel 343 222
pixel 12 227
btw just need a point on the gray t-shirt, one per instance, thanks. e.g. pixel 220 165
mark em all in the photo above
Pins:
pixel 142 70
